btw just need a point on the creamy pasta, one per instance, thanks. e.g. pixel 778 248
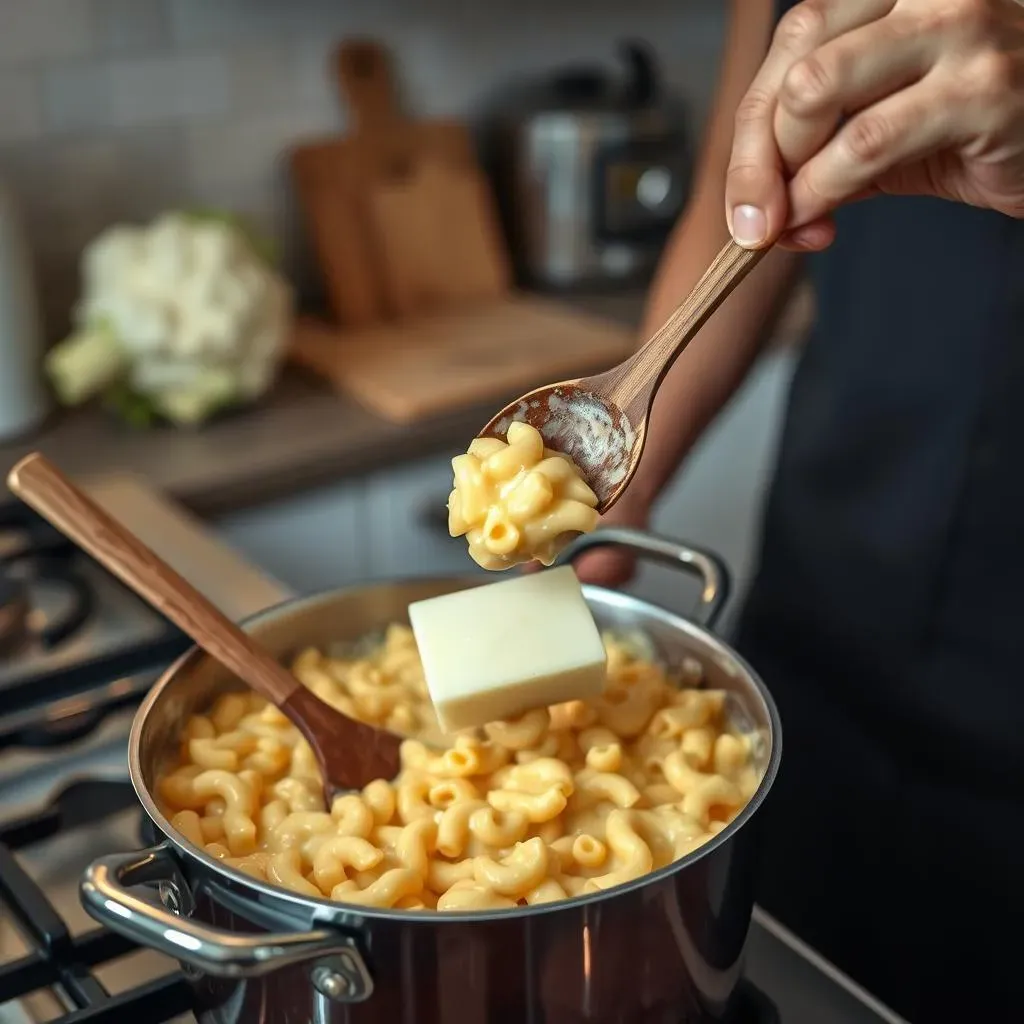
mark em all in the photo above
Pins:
pixel 566 800
pixel 516 501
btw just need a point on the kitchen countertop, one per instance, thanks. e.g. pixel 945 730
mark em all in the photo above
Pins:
pixel 301 436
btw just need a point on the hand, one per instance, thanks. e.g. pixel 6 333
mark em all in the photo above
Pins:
pixel 933 93
pixel 612 567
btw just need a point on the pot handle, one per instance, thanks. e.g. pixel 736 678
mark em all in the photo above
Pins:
pixel 105 894
pixel 710 568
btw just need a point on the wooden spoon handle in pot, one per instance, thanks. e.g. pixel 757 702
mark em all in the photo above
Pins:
pixel 41 485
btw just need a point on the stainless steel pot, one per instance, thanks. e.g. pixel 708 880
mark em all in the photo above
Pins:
pixel 664 949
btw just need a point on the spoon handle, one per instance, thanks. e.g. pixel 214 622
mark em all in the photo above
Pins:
pixel 645 370
pixel 44 487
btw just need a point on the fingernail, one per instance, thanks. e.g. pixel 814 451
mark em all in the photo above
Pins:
pixel 749 225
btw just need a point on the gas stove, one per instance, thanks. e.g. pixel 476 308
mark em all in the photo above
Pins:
pixel 74 643
pixel 57 974
pixel 66 701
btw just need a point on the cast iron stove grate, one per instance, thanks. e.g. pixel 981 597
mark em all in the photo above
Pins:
pixel 48 696
pixel 59 960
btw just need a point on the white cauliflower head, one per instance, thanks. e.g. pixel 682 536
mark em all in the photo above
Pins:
pixel 198 319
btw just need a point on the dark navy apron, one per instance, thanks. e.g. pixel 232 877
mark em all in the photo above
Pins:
pixel 887 617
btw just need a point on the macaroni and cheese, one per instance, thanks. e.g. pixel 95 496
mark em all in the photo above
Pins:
pixel 565 800
pixel 516 501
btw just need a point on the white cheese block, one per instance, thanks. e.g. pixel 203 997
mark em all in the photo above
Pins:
pixel 497 651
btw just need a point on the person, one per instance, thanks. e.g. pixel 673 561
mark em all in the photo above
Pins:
pixel 887 612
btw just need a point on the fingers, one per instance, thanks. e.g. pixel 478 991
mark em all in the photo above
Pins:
pixel 904 127
pixel 845 75
pixel 606 568
pixel 755 189
pixel 756 204
pixel 826 19
pixel 813 237
pixel 821 233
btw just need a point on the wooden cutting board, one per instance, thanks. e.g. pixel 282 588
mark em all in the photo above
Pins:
pixel 367 200
pixel 417 271
pixel 438 239
pixel 419 368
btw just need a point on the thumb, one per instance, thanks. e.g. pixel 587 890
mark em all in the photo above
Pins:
pixel 756 204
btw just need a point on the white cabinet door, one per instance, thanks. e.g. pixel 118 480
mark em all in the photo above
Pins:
pixel 312 542
pixel 407 511
pixel 715 501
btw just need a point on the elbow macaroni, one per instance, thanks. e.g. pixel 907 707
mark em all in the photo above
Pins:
pixel 516 500
pixel 564 801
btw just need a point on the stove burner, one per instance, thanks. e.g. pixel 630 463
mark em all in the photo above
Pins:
pixel 42 597
pixel 75 646
pixel 13 613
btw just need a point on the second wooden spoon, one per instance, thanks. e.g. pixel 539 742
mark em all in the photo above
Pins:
pixel 350 753
pixel 600 422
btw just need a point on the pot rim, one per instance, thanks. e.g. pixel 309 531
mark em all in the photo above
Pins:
pixel 323 909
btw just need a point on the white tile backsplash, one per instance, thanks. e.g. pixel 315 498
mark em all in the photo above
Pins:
pixel 252 147
pixel 283 77
pixel 76 97
pixel 36 30
pixel 72 188
pixel 131 26
pixel 168 87
pixel 130 92
pixel 205 22
pixel 21 112
pixel 115 109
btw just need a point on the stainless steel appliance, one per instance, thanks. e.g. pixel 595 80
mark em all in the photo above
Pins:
pixel 591 173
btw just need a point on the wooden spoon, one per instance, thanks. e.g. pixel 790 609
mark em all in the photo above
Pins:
pixel 350 753
pixel 601 421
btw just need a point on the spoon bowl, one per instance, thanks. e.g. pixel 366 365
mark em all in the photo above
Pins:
pixel 577 418
pixel 350 753
pixel 600 422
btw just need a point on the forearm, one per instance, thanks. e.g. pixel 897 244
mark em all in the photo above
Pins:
pixel 715 363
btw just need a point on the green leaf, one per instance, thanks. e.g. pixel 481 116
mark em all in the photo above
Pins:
pixel 128 405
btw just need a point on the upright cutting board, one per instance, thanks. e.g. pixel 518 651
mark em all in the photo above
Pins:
pixel 377 200
pixel 438 239
pixel 417 271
